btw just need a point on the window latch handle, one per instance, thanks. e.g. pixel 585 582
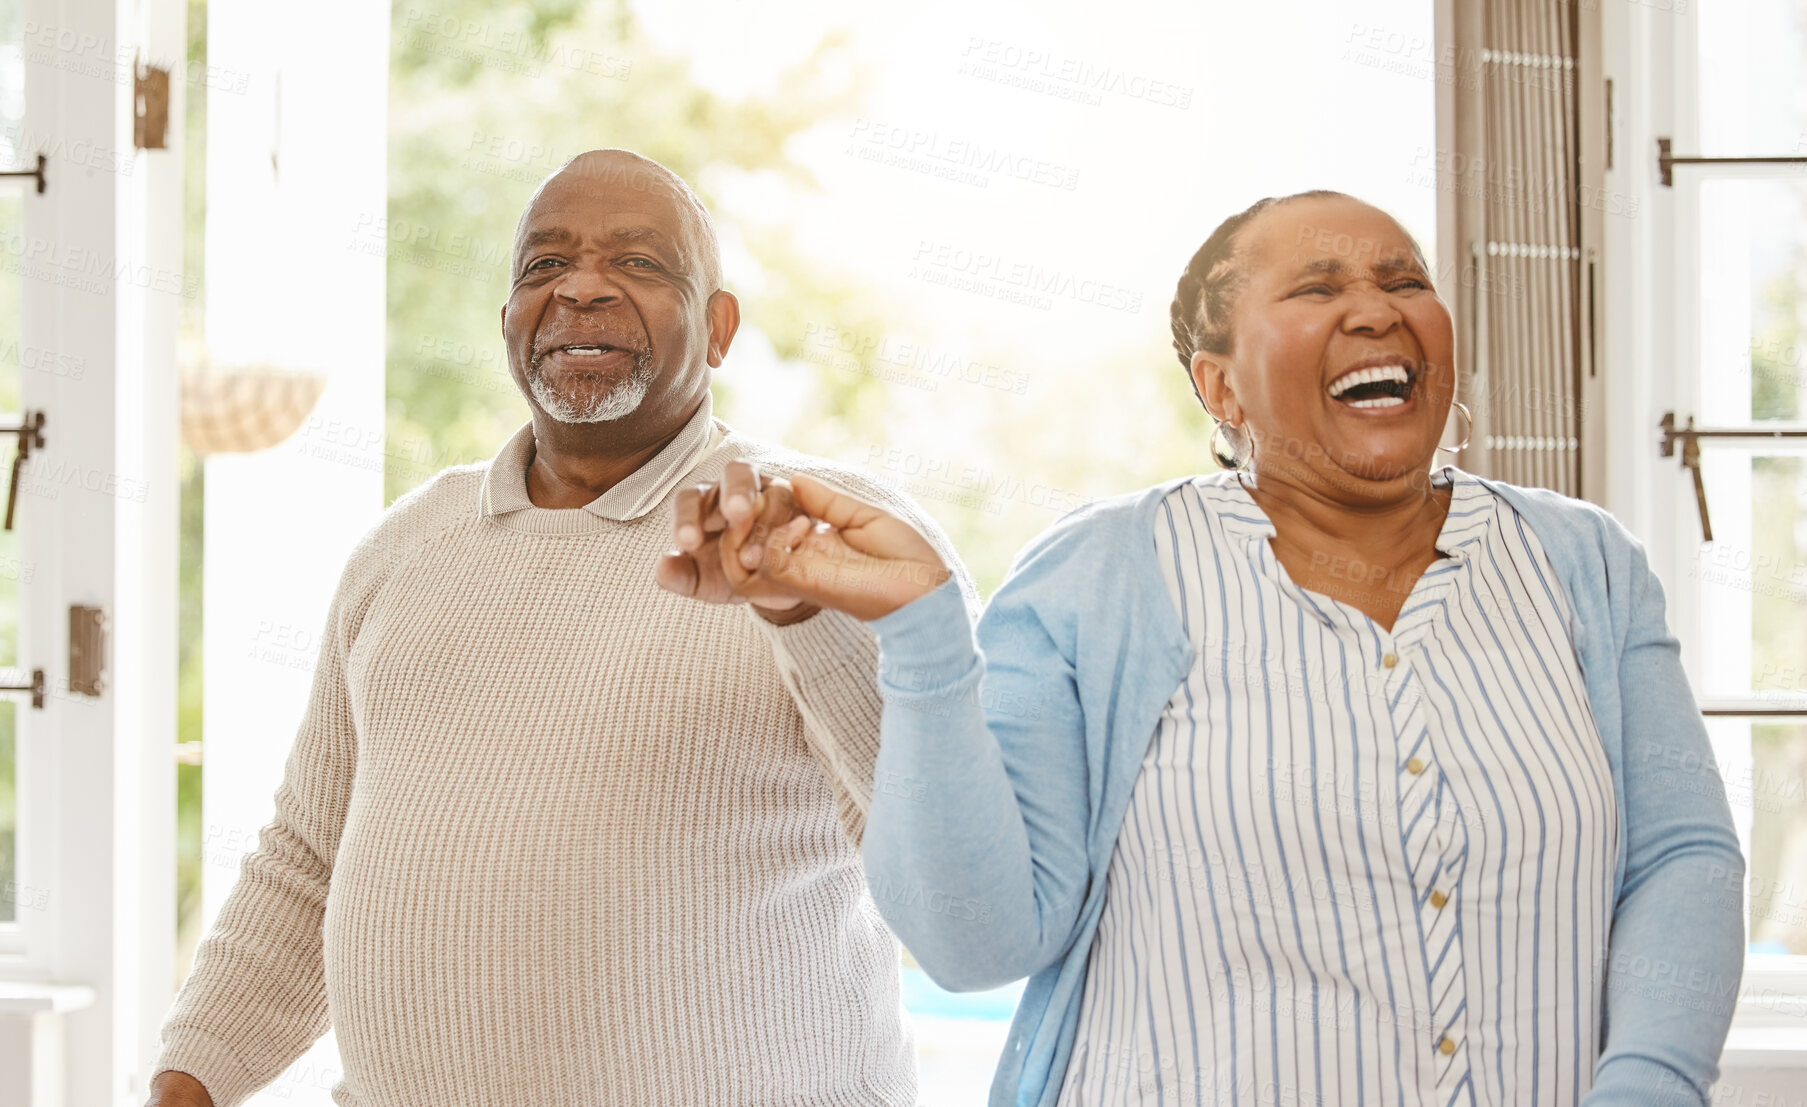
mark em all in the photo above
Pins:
pixel 30 430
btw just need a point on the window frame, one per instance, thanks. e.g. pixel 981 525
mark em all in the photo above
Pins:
pixel 96 774
pixel 1652 266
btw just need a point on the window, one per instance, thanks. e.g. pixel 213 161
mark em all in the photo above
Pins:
pixel 1707 324
pixel 1750 582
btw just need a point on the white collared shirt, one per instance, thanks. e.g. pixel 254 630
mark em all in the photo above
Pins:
pixel 1358 866
pixel 505 484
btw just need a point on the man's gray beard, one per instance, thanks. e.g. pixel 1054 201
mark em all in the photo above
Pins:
pixel 617 403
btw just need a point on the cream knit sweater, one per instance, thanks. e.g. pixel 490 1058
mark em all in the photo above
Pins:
pixel 552 836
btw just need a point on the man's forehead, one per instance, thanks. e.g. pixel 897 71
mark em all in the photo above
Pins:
pixel 577 223
pixel 604 192
pixel 587 201
pixel 647 217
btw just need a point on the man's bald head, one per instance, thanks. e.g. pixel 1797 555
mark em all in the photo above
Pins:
pixel 615 314
pixel 623 169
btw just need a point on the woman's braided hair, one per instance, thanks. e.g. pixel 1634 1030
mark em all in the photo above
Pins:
pixel 1200 315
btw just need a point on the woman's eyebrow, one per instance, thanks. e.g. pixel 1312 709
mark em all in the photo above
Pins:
pixel 1393 267
pixel 1320 266
pixel 1382 268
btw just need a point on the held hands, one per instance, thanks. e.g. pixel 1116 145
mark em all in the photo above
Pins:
pixel 793 546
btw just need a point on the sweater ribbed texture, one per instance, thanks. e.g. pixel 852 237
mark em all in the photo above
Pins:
pixel 551 835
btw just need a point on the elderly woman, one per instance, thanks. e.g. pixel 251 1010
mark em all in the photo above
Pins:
pixel 1328 779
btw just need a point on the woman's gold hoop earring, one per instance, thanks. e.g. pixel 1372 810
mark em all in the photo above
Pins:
pixel 1467 434
pixel 1232 449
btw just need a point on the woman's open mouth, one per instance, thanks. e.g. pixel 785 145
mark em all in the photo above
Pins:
pixel 1379 386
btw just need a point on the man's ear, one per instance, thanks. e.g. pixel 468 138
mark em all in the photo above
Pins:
pixel 723 315
pixel 1211 377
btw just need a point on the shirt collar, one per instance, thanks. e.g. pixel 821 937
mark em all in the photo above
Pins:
pixel 1470 508
pixel 505 482
pixel 1470 514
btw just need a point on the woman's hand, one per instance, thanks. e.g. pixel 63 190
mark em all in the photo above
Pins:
pixel 798 541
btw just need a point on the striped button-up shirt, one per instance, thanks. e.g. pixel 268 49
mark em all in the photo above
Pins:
pixel 1358 866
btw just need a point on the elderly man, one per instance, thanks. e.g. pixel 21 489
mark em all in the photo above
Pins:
pixel 551 834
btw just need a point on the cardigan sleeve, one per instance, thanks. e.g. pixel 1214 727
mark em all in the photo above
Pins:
pixel 976 844
pixel 1677 948
pixel 829 662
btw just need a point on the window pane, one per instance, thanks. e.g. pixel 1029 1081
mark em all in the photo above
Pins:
pixel 1753 252
pixel 10 892
pixel 1778 843
pixel 1753 77
pixel 13 572
pixel 1752 587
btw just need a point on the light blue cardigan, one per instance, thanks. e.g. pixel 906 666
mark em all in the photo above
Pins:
pixel 1004 771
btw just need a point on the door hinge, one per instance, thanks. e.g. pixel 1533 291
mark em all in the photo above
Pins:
pixel 150 110
pixel 87 650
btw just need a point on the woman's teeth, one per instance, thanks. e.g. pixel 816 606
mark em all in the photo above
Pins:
pixel 1379 386
pixel 1379 374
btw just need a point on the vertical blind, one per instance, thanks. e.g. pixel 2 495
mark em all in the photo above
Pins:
pixel 1524 207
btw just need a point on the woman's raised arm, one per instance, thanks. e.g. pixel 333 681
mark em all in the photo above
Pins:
pixel 975 843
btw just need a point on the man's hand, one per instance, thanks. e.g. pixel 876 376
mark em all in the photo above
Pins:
pixel 710 525
pixel 798 539
pixel 177 1089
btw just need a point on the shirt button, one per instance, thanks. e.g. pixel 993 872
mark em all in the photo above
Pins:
pixel 1446 1047
pixel 1390 660
pixel 1438 899
pixel 1414 766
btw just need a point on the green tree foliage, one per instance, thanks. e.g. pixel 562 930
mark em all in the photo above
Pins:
pixel 485 101
pixel 1778 357
pixel 191 505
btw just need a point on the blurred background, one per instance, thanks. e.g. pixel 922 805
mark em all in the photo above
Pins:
pixel 954 230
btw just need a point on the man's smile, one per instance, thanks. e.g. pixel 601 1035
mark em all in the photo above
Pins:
pixel 587 354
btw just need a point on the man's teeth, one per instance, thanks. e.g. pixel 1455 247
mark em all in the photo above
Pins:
pixel 584 349
pixel 1396 373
